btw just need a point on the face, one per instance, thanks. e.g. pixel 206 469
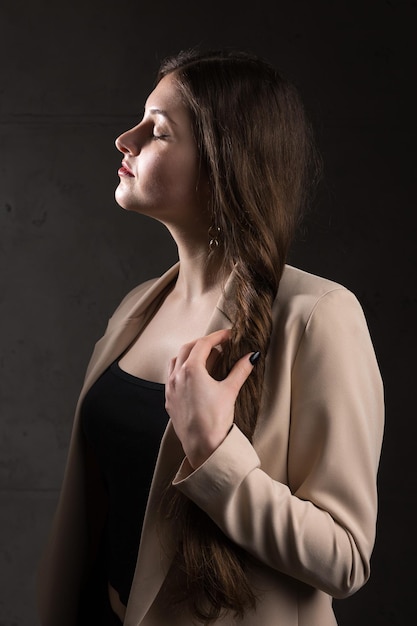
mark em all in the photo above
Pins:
pixel 160 174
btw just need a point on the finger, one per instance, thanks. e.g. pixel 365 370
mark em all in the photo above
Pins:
pixel 171 366
pixel 241 371
pixel 213 358
pixel 184 352
pixel 203 346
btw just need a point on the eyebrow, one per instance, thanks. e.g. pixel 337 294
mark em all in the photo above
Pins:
pixel 155 111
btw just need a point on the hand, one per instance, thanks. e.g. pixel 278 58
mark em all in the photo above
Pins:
pixel 200 407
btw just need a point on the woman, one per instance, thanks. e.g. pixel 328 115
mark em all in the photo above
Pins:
pixel 252 498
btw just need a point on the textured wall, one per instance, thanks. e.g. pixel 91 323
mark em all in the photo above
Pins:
pixel 72 77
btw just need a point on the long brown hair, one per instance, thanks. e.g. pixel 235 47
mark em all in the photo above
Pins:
pixel 256 146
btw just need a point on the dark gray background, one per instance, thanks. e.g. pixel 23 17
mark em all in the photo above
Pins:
pixel 73 76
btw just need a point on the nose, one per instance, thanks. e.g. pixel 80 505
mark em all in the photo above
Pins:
pixel 129 142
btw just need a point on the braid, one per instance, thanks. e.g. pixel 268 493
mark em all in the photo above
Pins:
pixel 251 331
pixel 214 567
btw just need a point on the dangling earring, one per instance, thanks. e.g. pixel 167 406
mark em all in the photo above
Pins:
pixel 214 237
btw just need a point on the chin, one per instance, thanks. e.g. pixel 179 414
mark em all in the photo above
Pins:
pixel 122 201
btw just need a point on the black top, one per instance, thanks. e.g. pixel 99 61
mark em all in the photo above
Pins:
pixel 123 419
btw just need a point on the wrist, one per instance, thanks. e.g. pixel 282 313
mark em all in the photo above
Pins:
pixel 203 448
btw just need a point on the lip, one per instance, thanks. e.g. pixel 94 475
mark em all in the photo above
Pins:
pixel 125 170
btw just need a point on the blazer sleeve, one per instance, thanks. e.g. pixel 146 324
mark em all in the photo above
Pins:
pixel 320 527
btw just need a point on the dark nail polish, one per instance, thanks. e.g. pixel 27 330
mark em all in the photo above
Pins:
pixel 254 357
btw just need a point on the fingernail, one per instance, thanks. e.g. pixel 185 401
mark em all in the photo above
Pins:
pixel 254 357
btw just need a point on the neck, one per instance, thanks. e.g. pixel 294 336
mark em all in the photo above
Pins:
pixel 199 275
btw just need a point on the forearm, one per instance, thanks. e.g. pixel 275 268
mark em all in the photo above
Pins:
pixel 262 516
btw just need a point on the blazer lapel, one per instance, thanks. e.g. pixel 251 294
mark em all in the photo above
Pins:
pixel 158 542
pixel 121 332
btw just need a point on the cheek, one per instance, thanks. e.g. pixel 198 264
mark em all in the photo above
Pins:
pixel 153 175
pixel 175 178
pixel 185 171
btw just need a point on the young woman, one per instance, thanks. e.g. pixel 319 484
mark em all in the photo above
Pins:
pixel 222 467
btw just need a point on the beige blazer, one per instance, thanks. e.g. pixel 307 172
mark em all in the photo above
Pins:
pixel 301 500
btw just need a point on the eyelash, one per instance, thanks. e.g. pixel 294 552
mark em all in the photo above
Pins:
pixel 159 136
